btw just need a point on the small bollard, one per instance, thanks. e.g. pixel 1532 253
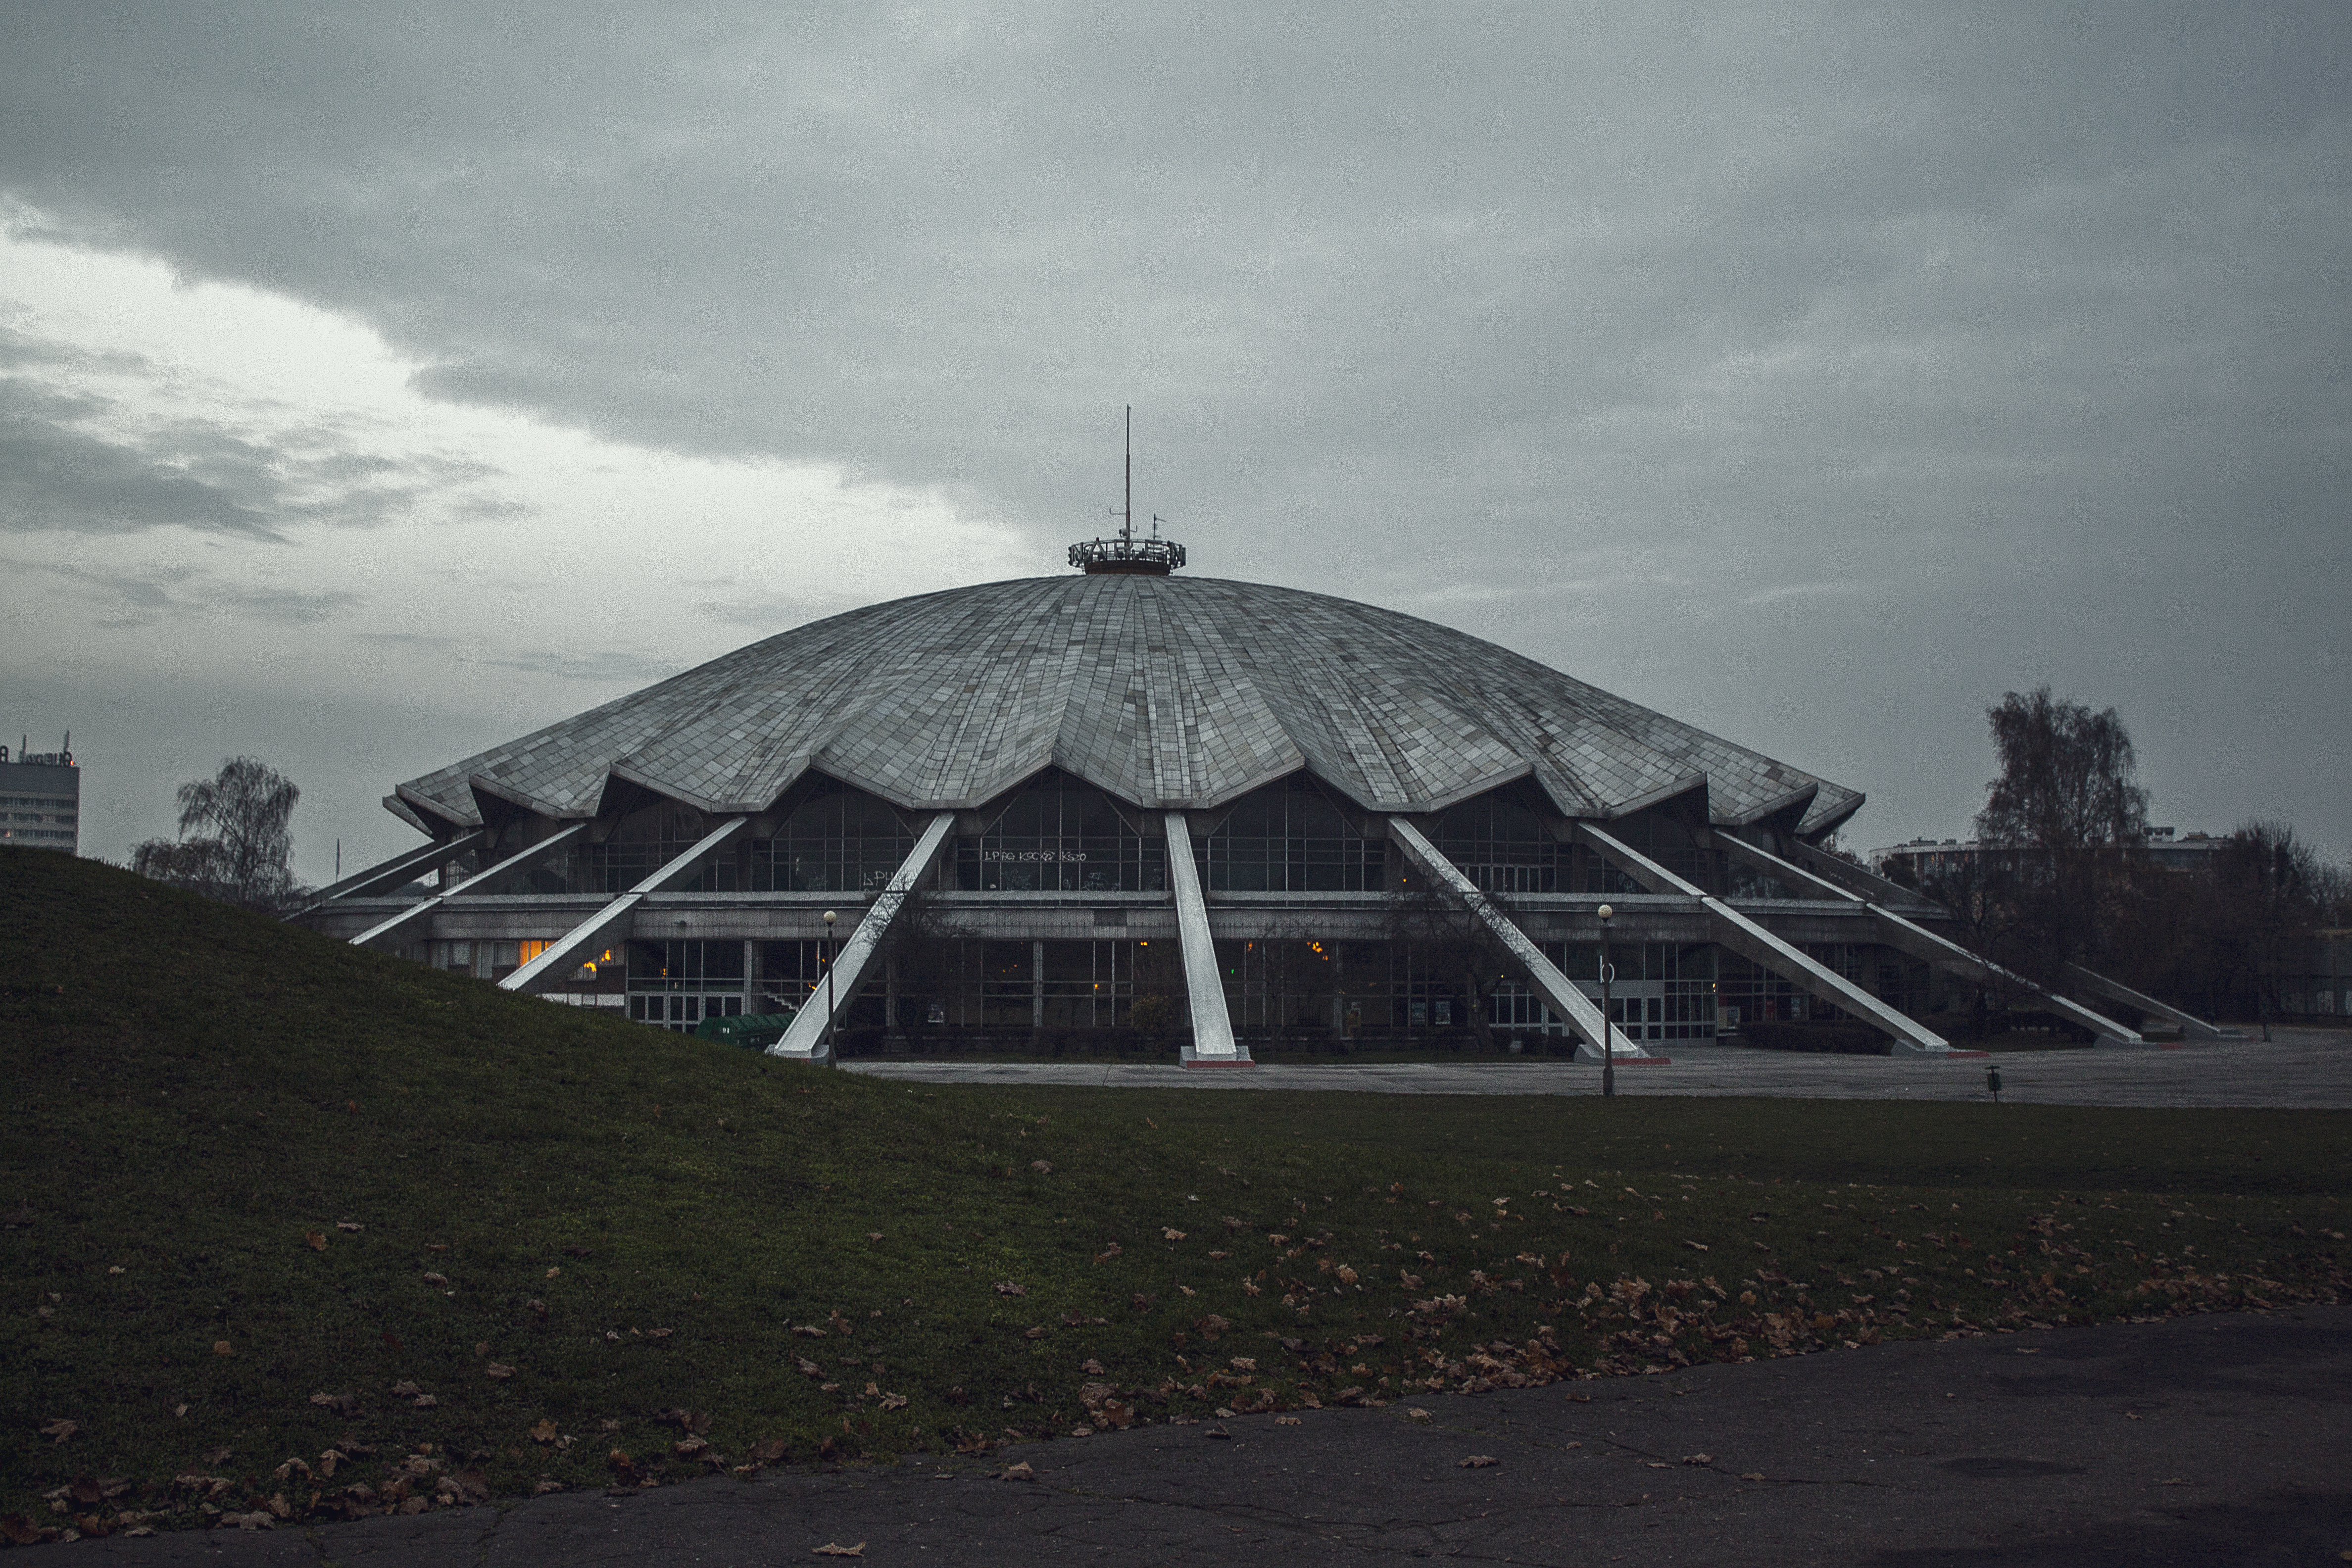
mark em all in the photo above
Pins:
pixel 1992 1082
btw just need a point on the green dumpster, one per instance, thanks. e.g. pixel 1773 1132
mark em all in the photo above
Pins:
pixel 755 1030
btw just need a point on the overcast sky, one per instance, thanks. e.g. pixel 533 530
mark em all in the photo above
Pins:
pixel 379 383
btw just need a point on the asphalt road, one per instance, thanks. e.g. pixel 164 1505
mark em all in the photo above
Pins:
pixel 2299 1067
pixel 2216 1440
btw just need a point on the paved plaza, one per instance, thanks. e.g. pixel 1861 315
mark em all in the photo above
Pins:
pixel 2298 1067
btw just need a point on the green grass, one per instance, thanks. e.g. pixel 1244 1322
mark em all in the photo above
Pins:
pixel 198 1101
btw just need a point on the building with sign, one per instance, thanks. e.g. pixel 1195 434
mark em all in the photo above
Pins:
pixel 41 799
pixel 1128 799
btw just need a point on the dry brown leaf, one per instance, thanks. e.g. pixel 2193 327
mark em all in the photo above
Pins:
pixel 1170 1233
pixel 1007 1287
pixel 316 1240
pixel 1034 1335
pixel 1699 1459
pixel 1478 1462
pixel 497 1372
pixel 222 1347
pixel 1043 1167
pixel 348 1225
pixel 433 1278
pixel 543 1430
pixel 1286 1421
pixel 400 1390
pixel 59 1431
pixel 1751 1475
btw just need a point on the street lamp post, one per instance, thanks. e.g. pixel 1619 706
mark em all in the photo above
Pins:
pixel 829 956
pixel 1608 1048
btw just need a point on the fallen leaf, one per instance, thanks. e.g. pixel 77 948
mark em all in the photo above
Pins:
pixel 1034 1334
pixel 222 1347
pixel 555 1272
pixel 1020 1472
pixel 1286 1421
pixel 1091 1367
pixel 60 1430
pixel 1043 1167
pixel 348 1224
pixel 1346 1276
pixel 545 1487
pixel 426 1402
pixel 1007 1287
pixel 543 1430
pixel 1414 1412
pixel 316 1240
pixel 1751 1476
pixel 433 1278
pixel 1216 1432
pixel 872 1236
pixel 1699 1459
pixel 834 1549
pixel 1696 1245
pixel 497 1372
pixel 1170 1233
pixel 1478 1462
pixel 401 1390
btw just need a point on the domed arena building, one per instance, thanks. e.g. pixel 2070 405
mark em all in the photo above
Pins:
pixel 1132 809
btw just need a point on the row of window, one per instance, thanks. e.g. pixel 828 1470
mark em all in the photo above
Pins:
pixel 38 802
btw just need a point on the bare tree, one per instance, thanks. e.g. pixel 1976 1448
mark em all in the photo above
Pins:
pixel 242 847
pixel 2059 826
pixel 1444 936
pixel 2268 892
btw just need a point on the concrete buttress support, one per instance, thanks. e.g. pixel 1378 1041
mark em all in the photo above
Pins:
pixel 1204 989
pixel 1558 993
pixel 563 955
pixel 806 1041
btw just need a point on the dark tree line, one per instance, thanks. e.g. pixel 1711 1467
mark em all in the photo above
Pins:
pixel 2063 876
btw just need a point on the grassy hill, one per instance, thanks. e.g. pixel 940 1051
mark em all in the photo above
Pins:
pixel 263 1198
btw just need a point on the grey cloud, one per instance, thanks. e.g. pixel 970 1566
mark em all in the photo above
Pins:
pixel 141 595
pixel 2010 306
pixel 54 476
pixel 71 463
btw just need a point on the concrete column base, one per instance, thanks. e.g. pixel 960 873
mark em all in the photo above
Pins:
pixel 1239 1059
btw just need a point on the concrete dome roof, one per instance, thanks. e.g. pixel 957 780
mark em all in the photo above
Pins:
pixel 1165 691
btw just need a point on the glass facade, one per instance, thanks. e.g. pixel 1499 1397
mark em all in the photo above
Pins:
pixel 838 840
pixel 679 984
pixel 1057 834
pixel 1289 838
pixel 1504 844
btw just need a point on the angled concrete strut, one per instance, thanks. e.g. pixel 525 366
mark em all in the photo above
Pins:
pixel 562 956
pixel 399 925
pixel 1558 993
pixel 1905 936
pixel 1753 942
pixel 2191 1023
pixel 805 1041
pixel 1204 989
pixel 400 869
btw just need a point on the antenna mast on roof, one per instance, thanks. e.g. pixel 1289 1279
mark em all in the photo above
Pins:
pixel 1127 555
